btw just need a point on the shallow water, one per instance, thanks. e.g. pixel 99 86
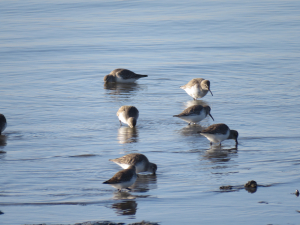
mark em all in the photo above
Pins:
pixel 62 124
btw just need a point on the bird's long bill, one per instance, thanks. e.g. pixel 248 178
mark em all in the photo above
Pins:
pixel 211 117
pixel 211 92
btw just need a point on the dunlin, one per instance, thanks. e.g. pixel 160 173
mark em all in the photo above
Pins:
pixel 128 115
pixel 123 179
pixel 138 160
pixel 197 88
pixel 217 133
pixel 122 76
pixel 194 114
pixel 3 123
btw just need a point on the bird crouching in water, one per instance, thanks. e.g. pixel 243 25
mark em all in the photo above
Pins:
pixel 123 179
pixel 197 88
pixel 194 114
pixel 128 115
pixel 217 133
pixel 122 76
pixel 138 160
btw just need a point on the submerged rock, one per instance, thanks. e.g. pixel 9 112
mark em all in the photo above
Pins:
pixel 112 223
pixel 263 202
pixel 228 187
pixel 251 184
pixel 99 223
pixel 144 223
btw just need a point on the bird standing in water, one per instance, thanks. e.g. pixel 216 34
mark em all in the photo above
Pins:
pixel 197 88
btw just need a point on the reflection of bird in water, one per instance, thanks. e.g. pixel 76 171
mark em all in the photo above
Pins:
pixel 190 130
pixel 123 179
pixel 217 155
pixel 3 123
pixel 194 114
pixel 128 115
pixel 197 88
pixel 122 76
pixel 196 102
pixel 125 207
pixel 127 135
pixel 144 183
pixel 121 89
pixel 2 140
pixel 217 133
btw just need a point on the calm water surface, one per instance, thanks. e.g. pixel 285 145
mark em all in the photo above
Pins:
pixel 62 124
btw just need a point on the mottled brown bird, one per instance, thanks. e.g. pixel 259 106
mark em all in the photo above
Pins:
pixel 122 76
pixel 217 133
pixel 138 160
pixel 197 88
pixel 123 179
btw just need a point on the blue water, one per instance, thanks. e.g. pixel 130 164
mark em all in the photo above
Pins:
pixel 62 123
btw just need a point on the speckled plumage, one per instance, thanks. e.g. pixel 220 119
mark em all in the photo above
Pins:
pixel 195 113
pixel 140 162
pixel 217 133
pixel 197 88
pixel 123 179
pixel 122 76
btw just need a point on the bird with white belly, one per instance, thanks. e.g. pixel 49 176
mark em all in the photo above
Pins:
pixel 128 115
pixel 197 88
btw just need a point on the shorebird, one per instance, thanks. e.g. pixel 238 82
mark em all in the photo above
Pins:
pixel 197 88
pixel 3 123
pixel 123 179
pixel 128 114
pixel 122 76
pixel 138 160
pixel 194 114
pixel 217 133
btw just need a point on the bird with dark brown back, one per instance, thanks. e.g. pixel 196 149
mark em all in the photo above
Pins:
pixel 217 133
pixel 3 123
pixel 122 76
pixel 123 179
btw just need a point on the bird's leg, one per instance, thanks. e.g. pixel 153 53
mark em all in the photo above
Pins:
pixel 120 123
pixel 210 143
